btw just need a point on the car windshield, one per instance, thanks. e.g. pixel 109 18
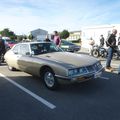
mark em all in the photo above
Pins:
pixel 41 48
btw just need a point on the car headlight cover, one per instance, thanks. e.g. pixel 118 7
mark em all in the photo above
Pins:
pixel 77 71
pixel 84 70
pixel 71 72
pixel 97 66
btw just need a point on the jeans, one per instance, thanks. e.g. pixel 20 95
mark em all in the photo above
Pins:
pixel 109 57
pixel 0 58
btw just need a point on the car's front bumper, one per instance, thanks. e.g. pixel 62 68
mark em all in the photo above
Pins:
pixel 83 77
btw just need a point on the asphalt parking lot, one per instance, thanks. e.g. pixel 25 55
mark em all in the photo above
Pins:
pixel 24 97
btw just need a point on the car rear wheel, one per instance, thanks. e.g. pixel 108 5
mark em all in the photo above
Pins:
pixel 49 79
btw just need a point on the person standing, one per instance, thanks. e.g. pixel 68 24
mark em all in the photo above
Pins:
pixel 47 38
pixel 119 70
pixel 111 43
pixel 102 41
pixel 2 49
pixel 57 39
pixel 91 44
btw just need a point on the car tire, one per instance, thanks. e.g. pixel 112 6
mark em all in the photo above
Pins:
pixel 11 68
pixel 49 79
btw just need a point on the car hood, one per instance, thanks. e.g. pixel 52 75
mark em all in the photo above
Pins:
pixel 76 60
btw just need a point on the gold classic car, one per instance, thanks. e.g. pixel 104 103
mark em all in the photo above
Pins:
pixel 51 63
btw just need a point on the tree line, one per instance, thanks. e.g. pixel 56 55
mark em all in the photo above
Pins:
pixel 8 33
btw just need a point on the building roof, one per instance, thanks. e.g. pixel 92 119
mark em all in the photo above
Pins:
pixel 39 32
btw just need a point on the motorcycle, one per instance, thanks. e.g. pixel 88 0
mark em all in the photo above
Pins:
pixel 116 54
pixel 98 51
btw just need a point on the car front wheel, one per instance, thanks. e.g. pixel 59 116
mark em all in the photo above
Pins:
pixel 11 68
pixel 49 79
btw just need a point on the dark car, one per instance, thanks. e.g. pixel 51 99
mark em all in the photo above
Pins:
pixel 69 46
pixel 8 45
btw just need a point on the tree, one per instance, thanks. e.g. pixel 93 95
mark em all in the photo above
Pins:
pixel 25 37
pixel 20 38
pixel 30 36
pixel 64 34
pixel 7 33
pixel 12 37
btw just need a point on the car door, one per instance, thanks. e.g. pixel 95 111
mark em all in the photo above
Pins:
pixel 25 57
pixel 13 56
pixel 28 62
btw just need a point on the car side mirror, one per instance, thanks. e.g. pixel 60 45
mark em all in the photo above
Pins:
pixel 32 53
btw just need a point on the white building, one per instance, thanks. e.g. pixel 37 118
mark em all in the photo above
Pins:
pixel 95 33
pixel 74 35
pixel 39 34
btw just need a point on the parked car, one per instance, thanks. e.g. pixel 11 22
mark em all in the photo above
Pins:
pixel 51 63
pixel 69 46
pixel 7 47
pixel 9 43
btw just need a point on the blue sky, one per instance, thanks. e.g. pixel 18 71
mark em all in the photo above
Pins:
pixel 22 16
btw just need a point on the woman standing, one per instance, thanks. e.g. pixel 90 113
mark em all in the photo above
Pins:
pixel 57 39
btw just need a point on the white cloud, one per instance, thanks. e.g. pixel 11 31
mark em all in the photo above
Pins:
pixel 23 16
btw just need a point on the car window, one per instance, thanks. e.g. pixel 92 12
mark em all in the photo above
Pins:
pixel 40 48
pixel 36 48
pixel 16 49
pixel 24 49
pixel 51 47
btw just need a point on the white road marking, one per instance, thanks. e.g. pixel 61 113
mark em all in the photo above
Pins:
pixel 3 66
pixel 40 99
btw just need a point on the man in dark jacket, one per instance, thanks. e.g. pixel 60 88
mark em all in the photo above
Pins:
pixel 101 41
pixel 2 48
pixel 111 43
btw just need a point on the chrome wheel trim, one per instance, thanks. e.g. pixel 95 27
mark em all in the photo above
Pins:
pixel 10 68
pixel 49 79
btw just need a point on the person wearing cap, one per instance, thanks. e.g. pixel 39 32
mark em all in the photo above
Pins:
pixel 91 44
pixel 102 41
pixel 111 44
